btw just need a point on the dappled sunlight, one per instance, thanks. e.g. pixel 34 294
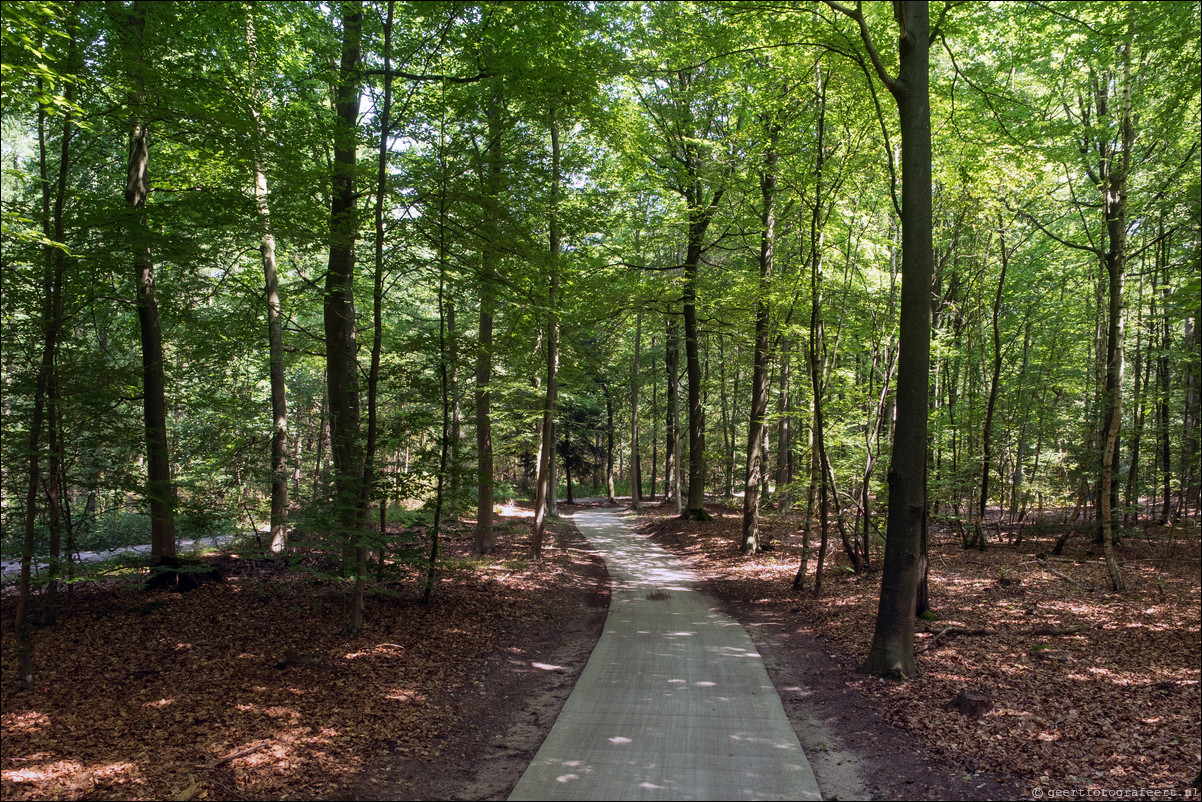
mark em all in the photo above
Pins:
pixel 202 681
pixel 385 650
pixel 1067 663
pixel 28 722
pixel 672 684
pixel 402 695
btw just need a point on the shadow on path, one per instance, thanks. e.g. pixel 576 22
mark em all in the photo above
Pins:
pixel 674 702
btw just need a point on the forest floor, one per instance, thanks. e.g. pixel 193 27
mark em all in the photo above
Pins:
pixel 246 689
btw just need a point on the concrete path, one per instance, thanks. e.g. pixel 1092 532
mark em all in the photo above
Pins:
pixel 674 702
pixel 182 546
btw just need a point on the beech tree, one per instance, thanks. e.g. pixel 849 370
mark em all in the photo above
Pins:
pixel 892 652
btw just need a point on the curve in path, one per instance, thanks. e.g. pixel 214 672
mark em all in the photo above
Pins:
pixel 674 702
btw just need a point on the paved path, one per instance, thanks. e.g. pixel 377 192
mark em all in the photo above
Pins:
pixel 674 702
pixel 13 566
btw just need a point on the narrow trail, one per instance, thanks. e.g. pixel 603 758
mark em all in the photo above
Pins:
pixel 674 702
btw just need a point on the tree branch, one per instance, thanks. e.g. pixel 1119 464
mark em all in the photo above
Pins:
pixel 858 15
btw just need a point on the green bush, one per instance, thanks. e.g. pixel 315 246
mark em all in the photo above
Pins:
pixel 114 530
pixel 196 521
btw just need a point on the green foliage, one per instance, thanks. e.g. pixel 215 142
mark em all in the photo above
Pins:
pixel 660 107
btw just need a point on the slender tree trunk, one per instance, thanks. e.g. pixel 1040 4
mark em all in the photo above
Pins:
pixel 553 485
pixel 377 340
pixel 1190 440
pixel 672 470
pixel 699 220
pixel 455 466
pixel 784 434
pixel 55 269
pixel 609 446
pixel 1114 189
pixel 654 433
pixel 1016 480
pixel 758 422
pixel 636 479
pixel 275 328
pixel 485 538
pixel 824 536
pixel 994 384
pixel 727 422
pixel 825 478
pixel 567 464
pixel 23 623
pixel 1162 402
pixel 323 414
pixel 1142 372
pixel 447 403
pixel 547 453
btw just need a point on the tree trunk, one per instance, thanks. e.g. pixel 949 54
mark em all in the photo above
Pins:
pixel 323 413
pixel 275 328
pixel 784 434
pixel 636 480
pixel 159 490
pixel 455 464
pixel 994 384
pixel 553 485
pixel 1017 507
pixel 567 464
pixel 342 368
pixel 610 493
pixel 672 469
pixel 377 340
pixel 758 418
pixel 1162 403
pixel 52 274
pixel 699 220
pixel 547 454
pixel 654 433
pixel 1190 441
pixel 444 375
pixel 892 651
pixel 485 538
pixel 1142 370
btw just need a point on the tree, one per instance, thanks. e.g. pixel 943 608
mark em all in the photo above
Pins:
pixel 692 122
pixel 342 368
pixel 892 652
pixel 759 380
pixel 159 490
pixel 275 327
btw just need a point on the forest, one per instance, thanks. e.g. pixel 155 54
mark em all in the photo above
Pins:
pixel 331 307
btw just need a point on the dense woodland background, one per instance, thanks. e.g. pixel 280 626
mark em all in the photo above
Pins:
pixel 343 281
pixel 304 270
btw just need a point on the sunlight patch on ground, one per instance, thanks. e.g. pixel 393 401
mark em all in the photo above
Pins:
pixel 380 649
pixel 29 722
pixel 74 775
